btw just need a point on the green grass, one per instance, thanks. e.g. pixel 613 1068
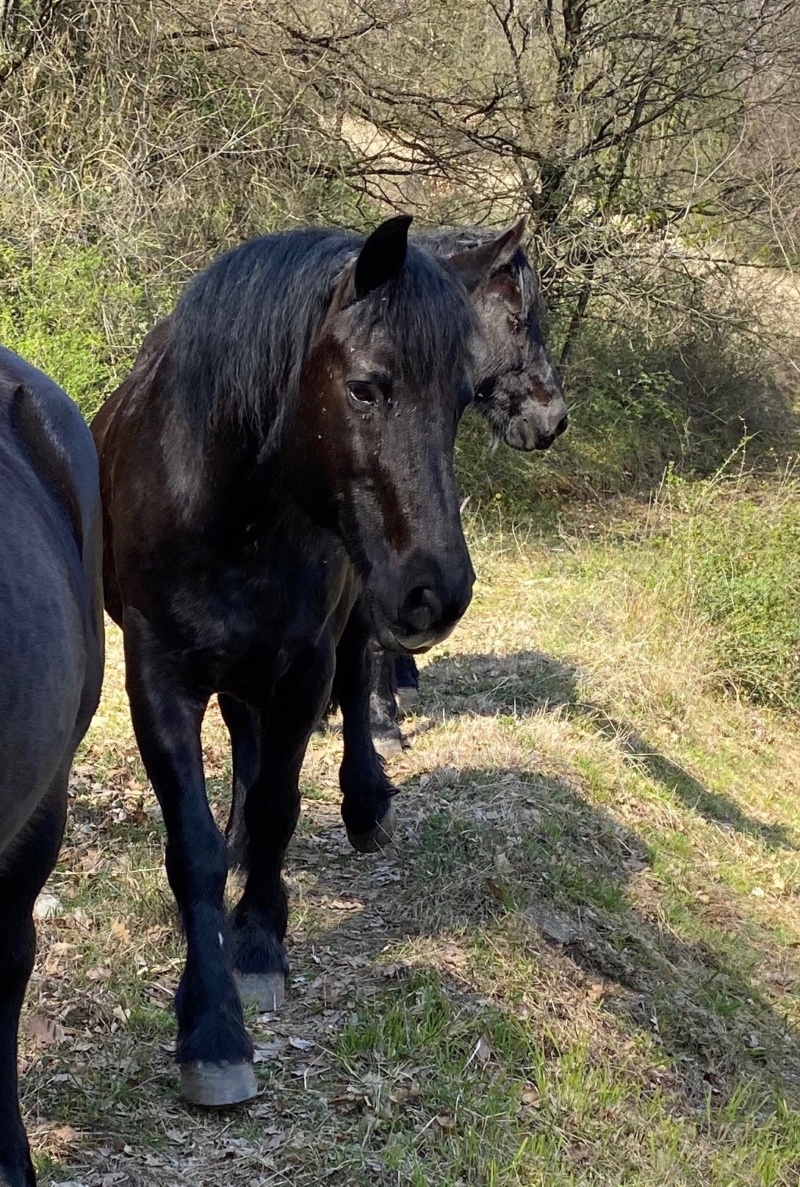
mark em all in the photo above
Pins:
pixel 578 963
pixel 74 314
pixel 739 553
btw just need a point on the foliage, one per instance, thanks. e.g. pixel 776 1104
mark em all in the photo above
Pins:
pixel 630 133
pixel 737 556
pixel 652 146
pixel 73 315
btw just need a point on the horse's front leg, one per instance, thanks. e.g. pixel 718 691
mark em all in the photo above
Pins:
pixel 367 808
pixel 214 1049
pixel 244 728
pixel 24 867
pixel 271 810
pixel 17 944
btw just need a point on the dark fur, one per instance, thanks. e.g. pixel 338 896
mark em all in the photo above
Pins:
pixel 519 393
pixel 517 388
pixel 243 327
pixel 51 659
pixel 251 493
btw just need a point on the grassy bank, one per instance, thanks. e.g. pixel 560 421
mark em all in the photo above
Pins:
pixel 576 965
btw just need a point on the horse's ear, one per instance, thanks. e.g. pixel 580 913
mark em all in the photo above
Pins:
pixel 478 263
pixel 380 259
pixel 382 256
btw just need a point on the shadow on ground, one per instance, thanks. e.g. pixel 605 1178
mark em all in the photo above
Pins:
pixel 532 682
pixel 511 891
pixel 525 860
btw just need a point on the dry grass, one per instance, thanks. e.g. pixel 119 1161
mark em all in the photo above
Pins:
pixel 577 965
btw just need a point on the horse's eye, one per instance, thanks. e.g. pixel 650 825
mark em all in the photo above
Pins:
pixel 365 395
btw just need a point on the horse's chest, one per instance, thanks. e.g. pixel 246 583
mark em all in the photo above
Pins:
pixel 299 599
pixel 269 611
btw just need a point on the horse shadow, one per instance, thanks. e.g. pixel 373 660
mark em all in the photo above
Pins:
pixel 571 886
pixel 529 682
pixel 574 885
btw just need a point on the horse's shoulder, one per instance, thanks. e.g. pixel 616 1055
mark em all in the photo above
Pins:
pixel 136 386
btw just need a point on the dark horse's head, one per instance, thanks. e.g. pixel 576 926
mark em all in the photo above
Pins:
pixel 517 388
pixel 356 358
pixel 387 377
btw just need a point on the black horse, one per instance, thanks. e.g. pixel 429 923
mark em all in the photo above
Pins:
pixel 518 392
pixel 283 443
pixel 51 666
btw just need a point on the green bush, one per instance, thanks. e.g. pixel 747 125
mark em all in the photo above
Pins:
pixel 687 397
pixel 638 405
pixel 71 313
pixel 739 561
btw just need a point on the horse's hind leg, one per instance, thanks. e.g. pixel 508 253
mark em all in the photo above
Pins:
pixel 386 736
pixel 214 1048
pixel 406 678
pixel 244 726
pixel 23 873
pixel 367 808
pixel 271 811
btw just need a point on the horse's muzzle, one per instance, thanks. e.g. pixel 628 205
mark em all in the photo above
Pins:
pixel 411 644
pixel 425 617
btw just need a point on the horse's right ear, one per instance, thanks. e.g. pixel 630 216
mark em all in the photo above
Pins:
pixel 477 264
pixel 380 259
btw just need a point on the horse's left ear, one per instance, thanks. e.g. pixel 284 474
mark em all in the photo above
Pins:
pixel 382 256
pixel 380 259
pixel 477 265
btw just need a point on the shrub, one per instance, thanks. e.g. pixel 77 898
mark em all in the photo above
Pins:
pixel 67 311
pixel 738 558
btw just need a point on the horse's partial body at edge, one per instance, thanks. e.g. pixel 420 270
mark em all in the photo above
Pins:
pixel 51 665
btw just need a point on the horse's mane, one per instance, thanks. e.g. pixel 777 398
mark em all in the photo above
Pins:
pixel 243 327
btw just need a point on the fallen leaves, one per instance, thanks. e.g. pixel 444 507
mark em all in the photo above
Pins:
pixel 502 864
pixel 481 1053
pixel 99 973
pixel 44 1032
pixel 120 931
pixel 530 1099
pixel 64 1135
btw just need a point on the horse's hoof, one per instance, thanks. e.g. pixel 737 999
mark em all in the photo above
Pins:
pixel 215 1085
pixel 388 745
pixel 378 837
pixel 407 696
pixel 267 990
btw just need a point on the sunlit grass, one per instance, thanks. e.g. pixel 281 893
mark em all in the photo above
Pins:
pixel 578 964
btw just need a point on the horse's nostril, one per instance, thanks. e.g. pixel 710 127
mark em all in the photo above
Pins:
pixel 562 425
pixel 422 609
